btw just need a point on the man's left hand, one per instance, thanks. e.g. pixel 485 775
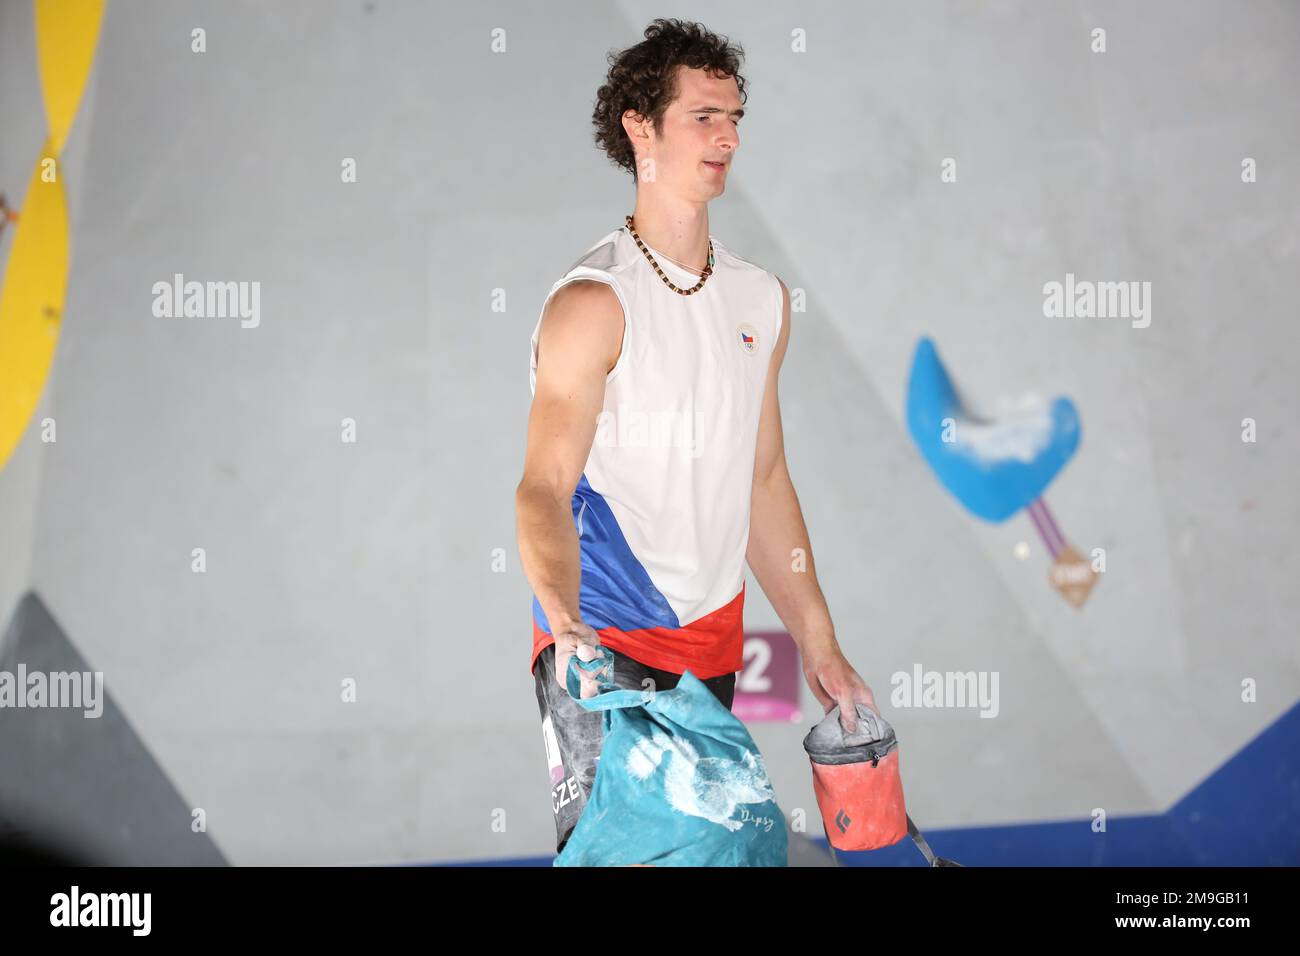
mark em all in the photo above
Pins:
pixel 834 681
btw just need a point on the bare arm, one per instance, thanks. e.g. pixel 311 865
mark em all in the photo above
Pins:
pixel 789 577
pixel 578 344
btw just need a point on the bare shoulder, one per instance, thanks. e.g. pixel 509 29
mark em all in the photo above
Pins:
pixel 784 335
pixel 785 293
pixel 585 296
pixel 584 321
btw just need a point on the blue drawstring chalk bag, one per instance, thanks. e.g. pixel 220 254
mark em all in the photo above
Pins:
pixel 680 782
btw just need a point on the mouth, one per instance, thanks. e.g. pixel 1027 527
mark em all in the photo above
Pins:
pixel 718 166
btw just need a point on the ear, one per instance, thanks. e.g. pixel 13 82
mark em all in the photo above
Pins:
pixel 635 125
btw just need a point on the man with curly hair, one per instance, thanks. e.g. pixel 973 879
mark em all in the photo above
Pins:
pixel 655 466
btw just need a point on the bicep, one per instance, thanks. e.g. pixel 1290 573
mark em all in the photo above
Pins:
pixel 580 333
pixel 771 441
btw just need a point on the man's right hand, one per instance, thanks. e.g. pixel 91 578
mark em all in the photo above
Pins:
pixel 575 638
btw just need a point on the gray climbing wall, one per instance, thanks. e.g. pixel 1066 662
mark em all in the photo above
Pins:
pixel 78 778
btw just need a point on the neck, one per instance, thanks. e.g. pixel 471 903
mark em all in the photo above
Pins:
pixel 678 229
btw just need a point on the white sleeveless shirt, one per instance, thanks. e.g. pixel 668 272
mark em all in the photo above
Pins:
pixel 662 507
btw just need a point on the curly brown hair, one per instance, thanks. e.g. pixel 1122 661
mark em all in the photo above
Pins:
pixel 644 78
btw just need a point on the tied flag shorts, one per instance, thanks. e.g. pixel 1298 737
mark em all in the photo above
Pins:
pixel 573 736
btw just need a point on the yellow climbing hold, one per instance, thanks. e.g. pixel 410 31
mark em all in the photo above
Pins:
pixel 66 34
pixel 36 277
pixel 31 303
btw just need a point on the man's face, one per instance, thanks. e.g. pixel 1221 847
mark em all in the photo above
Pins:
pixel 700 136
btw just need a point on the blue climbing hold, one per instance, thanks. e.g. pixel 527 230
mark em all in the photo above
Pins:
pixel 994 468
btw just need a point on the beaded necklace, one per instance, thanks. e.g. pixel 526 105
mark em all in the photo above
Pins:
pixel 708 270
